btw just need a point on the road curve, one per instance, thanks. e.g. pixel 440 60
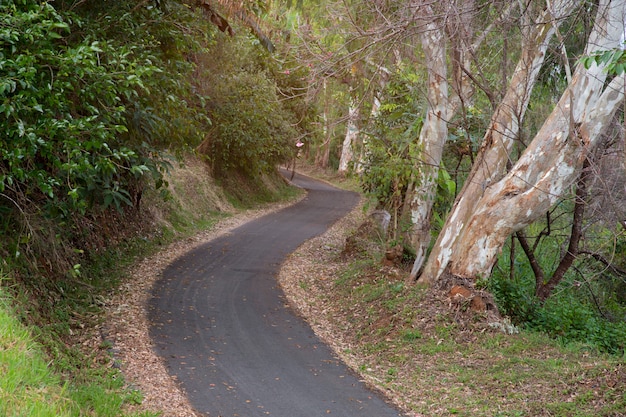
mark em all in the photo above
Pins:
pixel 225 331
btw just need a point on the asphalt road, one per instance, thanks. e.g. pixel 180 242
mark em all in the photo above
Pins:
pixel 223 326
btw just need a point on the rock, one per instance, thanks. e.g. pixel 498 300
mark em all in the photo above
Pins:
pixel 381 218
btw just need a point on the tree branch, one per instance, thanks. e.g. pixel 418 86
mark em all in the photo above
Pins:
pixel 544 291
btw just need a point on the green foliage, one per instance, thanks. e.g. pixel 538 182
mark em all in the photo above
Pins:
pixel 389 171
pixel 66 113
pixel 392 143
pixel 614 60
pixel 252 134
pixel 253 130
pixel 292 78
pixel 574 313
pixel 93 93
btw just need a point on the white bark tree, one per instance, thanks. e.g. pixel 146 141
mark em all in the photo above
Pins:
pixel 352 133
pixel 546 169
pixel 498 142
pixel 432 136
pixel 451 25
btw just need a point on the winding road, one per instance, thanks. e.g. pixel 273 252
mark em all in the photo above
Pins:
pixel 226 332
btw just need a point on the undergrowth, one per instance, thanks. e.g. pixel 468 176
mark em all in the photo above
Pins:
pixel 32 386
pixel 584 308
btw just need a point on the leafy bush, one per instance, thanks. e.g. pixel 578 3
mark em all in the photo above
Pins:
pixel 252 130
pixel 392 152
pixel 568 315
pixel 251 133
pixel 65 146
pixel 93 94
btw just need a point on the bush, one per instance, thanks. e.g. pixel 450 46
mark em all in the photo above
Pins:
pixel 95 95
pixel 251 133
pixel 567 315
pixel 252 129
pixel 66 145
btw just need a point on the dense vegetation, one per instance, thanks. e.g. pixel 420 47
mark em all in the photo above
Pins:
pixel 100 99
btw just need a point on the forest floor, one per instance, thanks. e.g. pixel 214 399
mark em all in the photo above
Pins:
pixel 429 354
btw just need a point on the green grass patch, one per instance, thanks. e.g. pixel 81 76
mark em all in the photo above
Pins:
pixel 27 386
pixel 30 387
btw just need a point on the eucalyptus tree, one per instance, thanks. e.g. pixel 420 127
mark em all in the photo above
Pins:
pixel 548 167
pixel 451 41
pixel 506 121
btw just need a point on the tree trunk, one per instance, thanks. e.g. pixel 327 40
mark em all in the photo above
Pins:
pixel 432 138
pixel 548 167
pixel 352 132
pixel 491 161
pixel 442 106
pixel 323 152
pixel 364 151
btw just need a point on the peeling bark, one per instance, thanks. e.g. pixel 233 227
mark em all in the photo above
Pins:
pixel 549 166
pixel 491 161
pixel 432 137
pixel 444 102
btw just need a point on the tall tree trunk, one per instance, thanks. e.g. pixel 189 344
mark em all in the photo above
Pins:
pixel 491 161
pixel 364 151
pixel 443 103
pixel 323 152
pixel 432 138
pixel 548 167
pixel 352 132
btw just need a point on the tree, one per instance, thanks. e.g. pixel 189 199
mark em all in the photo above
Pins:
pixel 504 129
pixel 434 132
pixel 546 169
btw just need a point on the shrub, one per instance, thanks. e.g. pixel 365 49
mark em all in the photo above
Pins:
pixel 65 146
pixel 252 130
pixel 567 315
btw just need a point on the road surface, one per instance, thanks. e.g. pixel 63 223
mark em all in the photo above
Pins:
pixel 223 326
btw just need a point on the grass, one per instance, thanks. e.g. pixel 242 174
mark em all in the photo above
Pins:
pixel 27 386
pixel 31 386
pixel 436 360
